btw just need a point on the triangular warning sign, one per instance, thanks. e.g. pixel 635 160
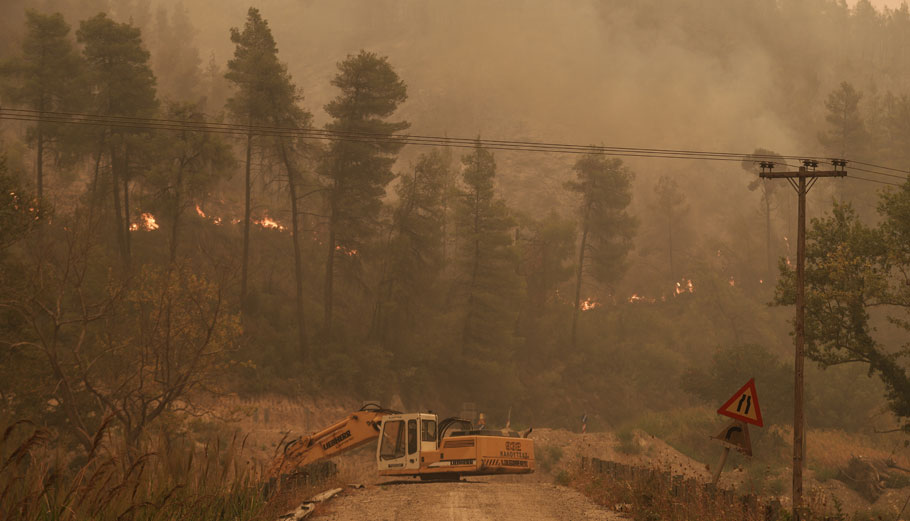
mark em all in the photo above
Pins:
pixel 743 405
pixel 736 435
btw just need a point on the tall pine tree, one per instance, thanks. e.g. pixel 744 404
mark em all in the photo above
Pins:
pixel 123 86
pixel 488 278
pixel 46 77
pixel 357 171
pixel 266 95
pixel 253 71
pixel 605 189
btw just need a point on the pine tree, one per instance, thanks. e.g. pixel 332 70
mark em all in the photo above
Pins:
pixel 253 70
pixel 846 134
pixel 356 172
pixel 671 206
pixel 266 95
pixel 488 275
pixel 769 190
pixel 415 251
pixel 605 187
pixel 124 86
pixel 47 77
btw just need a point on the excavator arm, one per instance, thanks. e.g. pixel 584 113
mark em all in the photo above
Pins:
pixel 357 429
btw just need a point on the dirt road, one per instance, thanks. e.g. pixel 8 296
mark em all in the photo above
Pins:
pixel 474 499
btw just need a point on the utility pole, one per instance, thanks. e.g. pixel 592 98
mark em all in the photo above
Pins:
pixel 798 180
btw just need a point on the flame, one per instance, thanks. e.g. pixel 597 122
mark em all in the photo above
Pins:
pixel 148 223
pixel 683 286
pixel 589 304
pixel 638 298
pixel 761 281
pixel 341 249
pixel 217 220
pixel 267 222
pixel 731 282
pixel 200 212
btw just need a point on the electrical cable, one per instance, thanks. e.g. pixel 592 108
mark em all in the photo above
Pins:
pixel 236 129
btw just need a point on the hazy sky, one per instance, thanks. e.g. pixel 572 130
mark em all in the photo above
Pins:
pixel 893 4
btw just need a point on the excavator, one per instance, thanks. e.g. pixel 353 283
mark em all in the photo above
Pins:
pixel 414 444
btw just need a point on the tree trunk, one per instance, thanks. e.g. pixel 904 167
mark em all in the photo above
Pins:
pixel 177 212
pixel 578 276
pixel 126 209
pixel 115 192
pixel 670 242
pixel 244 269
pixel 39 160
pixel 329 276
pixel 475 267
pixel 298 260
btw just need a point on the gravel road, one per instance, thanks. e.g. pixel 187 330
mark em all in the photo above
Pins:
pixel 474 499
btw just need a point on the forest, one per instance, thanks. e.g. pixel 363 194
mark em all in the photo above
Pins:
pixel 178 226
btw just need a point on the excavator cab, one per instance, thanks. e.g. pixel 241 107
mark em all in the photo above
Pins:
pixel 402 440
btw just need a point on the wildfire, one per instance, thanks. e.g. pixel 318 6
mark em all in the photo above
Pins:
pixel 589 304
pixel 732 281
pixel 683 286
pixel 147 223
pixel 268 222
pixel 341 249
pixel 638 298
pixel 200 212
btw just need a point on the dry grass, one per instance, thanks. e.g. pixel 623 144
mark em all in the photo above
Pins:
pixel 167 479
pixel 648 494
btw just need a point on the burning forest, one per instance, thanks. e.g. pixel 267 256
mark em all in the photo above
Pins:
pixel 582 210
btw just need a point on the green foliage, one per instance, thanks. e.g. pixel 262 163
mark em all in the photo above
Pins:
pixel 605 187
pixel 731 367
pixel 119 74
pixel 547 456
pixel 415 258
pixel 628 443
pixel 846 134
pixel 851 270
pixel 255 71
pixel 47 76
pixel 355 173
pixel 486 263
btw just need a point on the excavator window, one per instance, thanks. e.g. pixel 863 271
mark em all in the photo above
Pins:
pixel 412 436
pixel 428 430
pixel 392 446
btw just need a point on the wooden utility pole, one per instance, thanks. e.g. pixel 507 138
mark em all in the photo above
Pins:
pixel 798 180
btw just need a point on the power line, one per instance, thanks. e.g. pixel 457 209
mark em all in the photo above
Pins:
pixel 230 128
pixel 236 129
pixel 904 177
pixel 857 178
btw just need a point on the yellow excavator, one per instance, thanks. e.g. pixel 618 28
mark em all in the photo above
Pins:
pixel 415 444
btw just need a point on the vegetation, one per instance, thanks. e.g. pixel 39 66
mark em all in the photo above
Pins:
pixel 194 231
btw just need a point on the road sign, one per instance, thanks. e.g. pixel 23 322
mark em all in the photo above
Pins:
pixel 736 436
pixel 743 405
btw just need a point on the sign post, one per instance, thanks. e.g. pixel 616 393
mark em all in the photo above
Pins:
pixel 743 408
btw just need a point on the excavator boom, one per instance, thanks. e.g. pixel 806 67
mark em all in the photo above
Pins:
pixel 357 429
